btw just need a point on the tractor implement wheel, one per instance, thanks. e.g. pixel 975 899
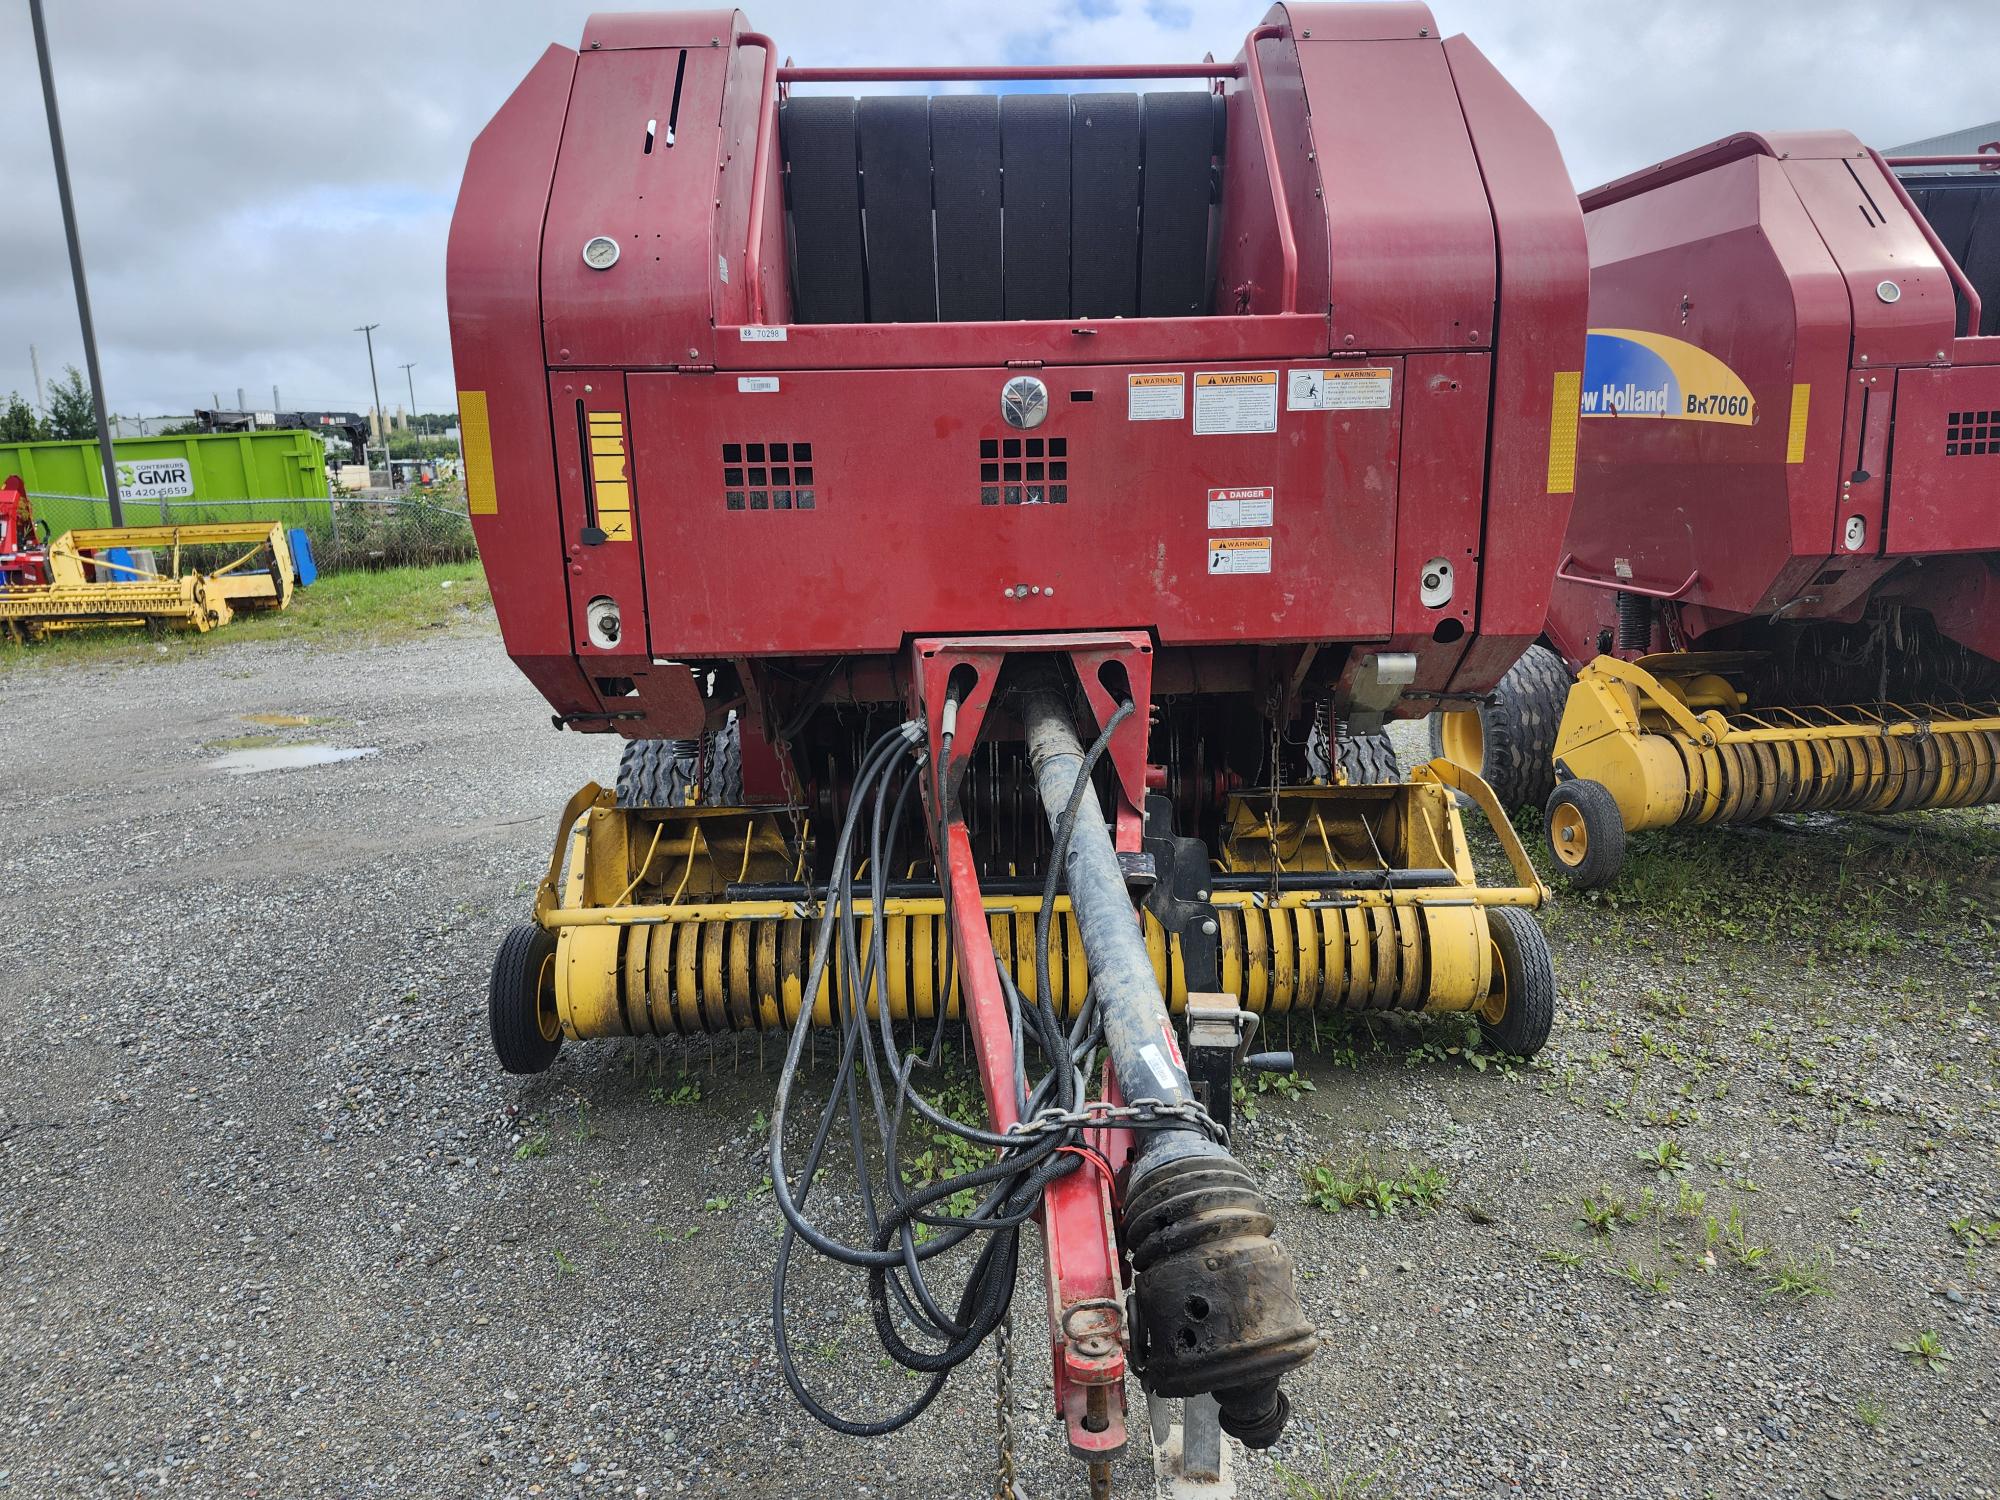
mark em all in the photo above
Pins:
pixel 1368 759
pixel 656 773
pixel 1510 742
pixel 1586 833
pixel 1521 1007
pixel 521 1001
pixel 661 773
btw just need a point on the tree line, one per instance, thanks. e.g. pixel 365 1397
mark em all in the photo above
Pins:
pixel 71 413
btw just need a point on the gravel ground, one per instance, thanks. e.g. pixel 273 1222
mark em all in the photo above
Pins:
pixel 274 1224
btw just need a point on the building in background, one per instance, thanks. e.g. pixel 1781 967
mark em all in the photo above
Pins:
pixel 1973 140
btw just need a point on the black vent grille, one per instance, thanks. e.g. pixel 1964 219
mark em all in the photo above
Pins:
pixel 768 476
pixel 1024 471
pixel 1971 434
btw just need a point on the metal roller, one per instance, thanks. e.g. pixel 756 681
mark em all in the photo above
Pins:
pixel 742 968
pixel 1636 732
pixel 1883 760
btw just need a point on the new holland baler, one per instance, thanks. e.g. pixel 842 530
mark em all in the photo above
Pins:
pixel 986 515
pixel 1780 591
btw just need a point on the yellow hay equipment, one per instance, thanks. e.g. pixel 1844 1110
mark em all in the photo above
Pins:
pixel 97 576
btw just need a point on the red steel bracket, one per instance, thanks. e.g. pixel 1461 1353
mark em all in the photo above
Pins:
pixel 1087 1333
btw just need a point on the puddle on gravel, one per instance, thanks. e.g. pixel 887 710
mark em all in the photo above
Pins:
pixel 282 721
pixel 285 758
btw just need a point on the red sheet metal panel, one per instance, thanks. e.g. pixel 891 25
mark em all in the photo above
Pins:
pixel 1877 245
pixel 1438 514
pixel 1412 261
pixel 897 539
pixel 1248 271
pixel 1726 264
pixel 609 30
pixel 1945 492
pixel 653 305
pixel 496 344
pixel 1359 21
pixel 1543 270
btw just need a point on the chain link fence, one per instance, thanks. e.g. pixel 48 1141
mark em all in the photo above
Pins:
pixel 348 532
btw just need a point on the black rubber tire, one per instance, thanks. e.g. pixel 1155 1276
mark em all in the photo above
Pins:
pixel 520 1001
pixel 1523 1027
pixel 1518 729
pixel 656 773
pixel 659 773
pixel 1602 827
pixel 1368 759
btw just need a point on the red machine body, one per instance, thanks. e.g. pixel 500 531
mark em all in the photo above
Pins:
pixel 1363 384
pixel 1243 408
pixel 24 554
pixel 1830 447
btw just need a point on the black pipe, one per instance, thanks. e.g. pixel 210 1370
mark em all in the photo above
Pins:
pixel 1287 880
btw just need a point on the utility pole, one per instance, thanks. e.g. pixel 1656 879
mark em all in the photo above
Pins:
pixel 367 331
pixel 35 364
pixel 61 159
pixel 411 382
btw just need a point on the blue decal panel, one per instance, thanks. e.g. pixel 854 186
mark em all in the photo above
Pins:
pixel 1628 372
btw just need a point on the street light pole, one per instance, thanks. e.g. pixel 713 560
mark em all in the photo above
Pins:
pixel 381 424
pixel 104 451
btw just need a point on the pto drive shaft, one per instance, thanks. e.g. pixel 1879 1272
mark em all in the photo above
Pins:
pixel 1217 1306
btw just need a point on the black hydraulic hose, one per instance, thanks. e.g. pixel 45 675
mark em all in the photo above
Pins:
pixel 1007 1190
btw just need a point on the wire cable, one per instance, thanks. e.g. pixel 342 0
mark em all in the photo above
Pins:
pixel 911 1319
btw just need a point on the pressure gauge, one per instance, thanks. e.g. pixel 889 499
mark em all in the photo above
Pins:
pixel 600 252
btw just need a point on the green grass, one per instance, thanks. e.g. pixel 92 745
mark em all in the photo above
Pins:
pixel 362 608
pixel 1419 1187
pixel 1857 886
pixel 1926 1349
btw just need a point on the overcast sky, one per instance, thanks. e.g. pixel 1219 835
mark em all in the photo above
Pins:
pixel 257 177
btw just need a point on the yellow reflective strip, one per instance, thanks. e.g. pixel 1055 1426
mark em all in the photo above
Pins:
pixel 477 437
pixel 613 496
pixel 1795 445
pixel 608 468
pixel 1562 432
pixel 614 444
pixel 616 525
pixel 607 421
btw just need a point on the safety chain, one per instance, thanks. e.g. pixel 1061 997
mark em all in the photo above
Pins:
pixel 1003 1349
pixel 1100 1114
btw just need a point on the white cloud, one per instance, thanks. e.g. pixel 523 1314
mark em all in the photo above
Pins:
pixel 255 179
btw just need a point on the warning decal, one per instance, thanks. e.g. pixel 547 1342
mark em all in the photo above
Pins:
pixel 1235 401
pixel 1345 388
pixel 1241 507
pixel 1157 397
pixel 1239 554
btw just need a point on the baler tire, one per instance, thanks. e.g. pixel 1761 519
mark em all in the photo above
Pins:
pixel 659 773
pixel 1585 812
pixel 656 773
pixel 1524 984
pixel 1517 731
pixel 1368 759
pixel 722 783
pixel 521 1000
